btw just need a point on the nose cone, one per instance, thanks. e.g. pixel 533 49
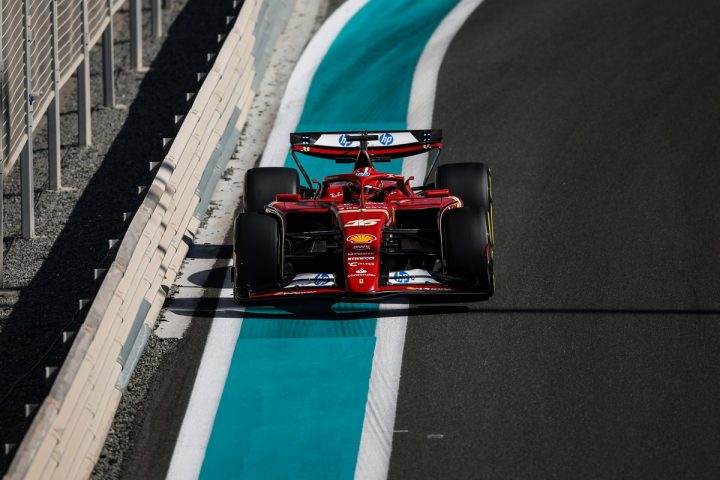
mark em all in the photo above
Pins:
pixel 363 237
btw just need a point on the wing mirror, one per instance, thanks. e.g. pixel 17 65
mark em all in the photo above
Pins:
pixel 437 193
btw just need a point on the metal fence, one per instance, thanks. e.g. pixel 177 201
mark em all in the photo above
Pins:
pixel 43 43
pixel 69 429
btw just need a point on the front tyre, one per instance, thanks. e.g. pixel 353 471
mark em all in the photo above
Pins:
pixel 256 254
pixel 263 184
pixel 472 183
pixel 468 248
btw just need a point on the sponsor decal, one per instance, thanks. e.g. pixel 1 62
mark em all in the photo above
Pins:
pixel 336 194
pixel 362 281
pixel 401 277
pixel 365 172
pixel 362 223
pixel 377 206
pixel 321 279
pixel 361 272
pixel 433 289
pixel 360 256
pixel 360 238
pixel 343 141
pixel 311 280
pixel 361 247
pixel 386 139
pixel 412 276
pixel 361 264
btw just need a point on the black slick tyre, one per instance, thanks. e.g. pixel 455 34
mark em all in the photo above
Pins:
pixel 469 181
pixel 472 183
pixel 263 184
pixel 467 247
pixel 256 254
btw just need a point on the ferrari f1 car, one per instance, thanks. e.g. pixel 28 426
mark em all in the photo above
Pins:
pixel 365 235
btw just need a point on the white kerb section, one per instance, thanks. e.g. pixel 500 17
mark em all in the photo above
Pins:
pixel 199 418
pixel 422 95
pixel 376 441
pixel 293 101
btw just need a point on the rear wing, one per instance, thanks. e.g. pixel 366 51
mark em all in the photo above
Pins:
pixel 340 146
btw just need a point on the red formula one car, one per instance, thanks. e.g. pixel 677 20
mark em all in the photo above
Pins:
pixel 365 235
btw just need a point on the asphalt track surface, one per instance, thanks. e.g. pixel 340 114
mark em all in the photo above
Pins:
pixel 598 356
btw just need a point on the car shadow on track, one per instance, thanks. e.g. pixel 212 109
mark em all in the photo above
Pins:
pixel 305 310
pixel 322 310
pixel 600 311
pixel 219 303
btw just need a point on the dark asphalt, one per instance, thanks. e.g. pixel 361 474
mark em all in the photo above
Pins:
pixel 599 355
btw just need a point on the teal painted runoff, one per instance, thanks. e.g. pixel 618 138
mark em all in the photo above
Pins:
pixel 294 401
pixel 280 409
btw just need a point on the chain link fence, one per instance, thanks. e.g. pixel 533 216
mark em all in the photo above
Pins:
pixel 12 76
pixel 43 44
pixel 50 27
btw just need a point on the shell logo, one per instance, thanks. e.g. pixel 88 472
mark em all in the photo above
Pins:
pixel 361 238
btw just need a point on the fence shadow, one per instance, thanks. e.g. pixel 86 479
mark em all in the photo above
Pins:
pixel 49 304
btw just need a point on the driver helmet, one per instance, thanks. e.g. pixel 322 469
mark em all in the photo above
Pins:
pixel 374 190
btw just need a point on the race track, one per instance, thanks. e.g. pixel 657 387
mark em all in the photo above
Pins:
pixel 598 356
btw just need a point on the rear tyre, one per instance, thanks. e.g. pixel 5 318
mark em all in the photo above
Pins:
pixel 469 181
pixel 263 184
pixel 256 254
pixel 467 247
pixel 472 183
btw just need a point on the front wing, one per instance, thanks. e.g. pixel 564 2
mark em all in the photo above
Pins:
pixel 413 293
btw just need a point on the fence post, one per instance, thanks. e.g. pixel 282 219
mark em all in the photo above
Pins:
pixel 83 83
pixel 136 35
pixel 2 158
pixel 157 18
pixel 26 162
pixel 109 62
pixel 2 215
pixel 53 115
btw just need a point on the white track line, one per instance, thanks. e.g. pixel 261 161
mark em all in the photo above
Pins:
pixel 200 415
pixel 376 441
pixel 293 101
pixel 422 95
pixel 214 366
